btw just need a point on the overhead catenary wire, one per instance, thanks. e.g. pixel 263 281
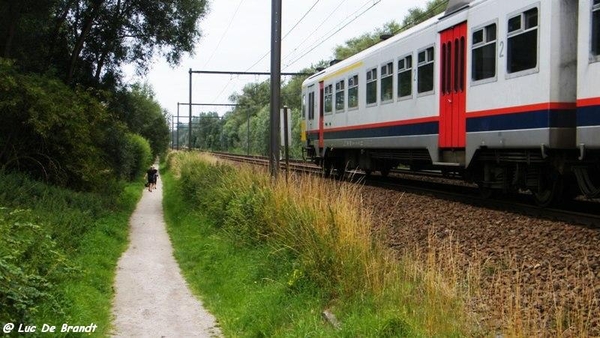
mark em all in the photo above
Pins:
pixel 286 34
pixel 268 52
pixel 217 47
pixel 224 33
pixel 317 28
pixel 425 14
pixel 331 35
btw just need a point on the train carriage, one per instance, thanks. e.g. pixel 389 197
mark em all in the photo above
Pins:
pixel 487 89
pixel 588 97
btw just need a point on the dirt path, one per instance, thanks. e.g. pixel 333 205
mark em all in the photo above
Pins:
pixel 152 298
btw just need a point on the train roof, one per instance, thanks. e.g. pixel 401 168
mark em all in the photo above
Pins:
pixel 453 7
pixel 375 48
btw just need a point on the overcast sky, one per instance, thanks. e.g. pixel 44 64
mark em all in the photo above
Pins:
pixel 236 36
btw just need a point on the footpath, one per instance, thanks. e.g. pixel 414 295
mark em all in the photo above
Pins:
pixel 152 298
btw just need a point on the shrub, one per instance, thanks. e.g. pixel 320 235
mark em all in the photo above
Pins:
pixel 30 265
pixel 141 155
pixel 51 131
pixel 319 240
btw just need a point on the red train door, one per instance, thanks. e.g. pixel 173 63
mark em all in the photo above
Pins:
pixel 452 87
pixel 321 116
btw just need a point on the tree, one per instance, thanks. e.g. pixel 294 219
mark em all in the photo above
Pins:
pixel 207 131
pixel 415 16
pixel 88 40
pixel 356 45
pixel 139 110
pixel 51 131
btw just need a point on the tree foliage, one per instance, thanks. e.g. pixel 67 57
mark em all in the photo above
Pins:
pixel 358 44
pixel 138 109
pixel 66 116
pixel 86 41
pixel 415 16
pixel 50 130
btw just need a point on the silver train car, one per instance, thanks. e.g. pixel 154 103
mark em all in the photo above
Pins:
pixel 502 92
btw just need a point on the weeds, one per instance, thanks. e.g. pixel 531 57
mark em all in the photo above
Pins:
pixel 319 241
pixel 58 251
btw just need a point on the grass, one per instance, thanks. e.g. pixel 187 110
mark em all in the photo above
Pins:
pixel 59 252
pixel 269 258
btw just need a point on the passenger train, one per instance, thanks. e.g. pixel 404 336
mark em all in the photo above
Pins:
pixel 505 93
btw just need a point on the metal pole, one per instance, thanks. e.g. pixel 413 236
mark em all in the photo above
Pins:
pixel 275 85
pixel 177 125
pixel 190 105
pixel 286 137
pixel 248 134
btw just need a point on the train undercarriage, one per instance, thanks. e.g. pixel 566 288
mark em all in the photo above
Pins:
pixel 550 176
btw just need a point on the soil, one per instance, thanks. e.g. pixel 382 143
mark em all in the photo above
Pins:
pixel 152 298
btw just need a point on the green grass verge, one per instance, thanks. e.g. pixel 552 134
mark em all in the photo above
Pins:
pixel 58 253
pixel 267 268
pixel 246 288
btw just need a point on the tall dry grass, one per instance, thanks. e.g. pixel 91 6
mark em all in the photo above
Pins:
pixel 325 228
pixel 505 298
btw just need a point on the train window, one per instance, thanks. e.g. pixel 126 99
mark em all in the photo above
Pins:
pixel 304 107
pixel 405 76
pixel 596 29
pixel 372 86
pixel 353 92
pixel 328 99
pixel 311 105
pixel 522 44
pixel 425 71
pixel 340 96
pixel 387 82
pixel 484 53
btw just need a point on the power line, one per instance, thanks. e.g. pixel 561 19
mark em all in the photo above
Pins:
pixel 316 29
pixel 424 15
pixel 288 33
pixel 327 38
pixel 419 19
pixel 269 52
pixel 224 33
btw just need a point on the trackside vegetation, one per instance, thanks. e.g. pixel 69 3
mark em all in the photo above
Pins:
pixel 58 252
pixel 273 258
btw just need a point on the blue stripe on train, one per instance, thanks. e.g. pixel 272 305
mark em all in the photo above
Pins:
pixel 427 128
pixel 559 118
pixel 588 116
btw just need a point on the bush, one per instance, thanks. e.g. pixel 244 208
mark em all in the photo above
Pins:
pixel 30 265
pixel 51 131
pixel 138 151
pixel 59 250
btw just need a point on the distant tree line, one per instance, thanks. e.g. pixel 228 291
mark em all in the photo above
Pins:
pixel 65 115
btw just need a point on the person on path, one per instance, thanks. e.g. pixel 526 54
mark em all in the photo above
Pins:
pixel 152 299
pixel 151 176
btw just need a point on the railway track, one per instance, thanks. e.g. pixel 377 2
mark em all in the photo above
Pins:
pixel 578 212
pixel 544 255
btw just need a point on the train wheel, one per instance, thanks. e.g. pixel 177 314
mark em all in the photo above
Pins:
pixel 588 186
pixel 340 168
pixel 486 192
pixel 550 186
pixel 327 168
pixel 385 172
